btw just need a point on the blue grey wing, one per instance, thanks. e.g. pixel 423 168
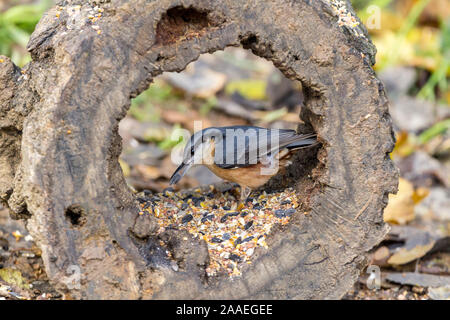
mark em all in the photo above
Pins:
pixel 260 145
pixel 237 150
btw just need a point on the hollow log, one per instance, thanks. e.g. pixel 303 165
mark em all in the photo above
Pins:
pixel 59 146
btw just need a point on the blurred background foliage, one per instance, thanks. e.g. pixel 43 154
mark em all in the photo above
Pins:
pixel 411 32
pixel 413 35
pixel 17 22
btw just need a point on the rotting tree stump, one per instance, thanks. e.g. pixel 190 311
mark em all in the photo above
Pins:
pixel 59 145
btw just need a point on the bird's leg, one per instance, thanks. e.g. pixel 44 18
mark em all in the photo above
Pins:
pixel 245 192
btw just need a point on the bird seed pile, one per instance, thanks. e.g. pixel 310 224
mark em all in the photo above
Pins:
pixel 232 230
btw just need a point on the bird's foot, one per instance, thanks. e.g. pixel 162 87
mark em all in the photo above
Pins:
pixel 245 192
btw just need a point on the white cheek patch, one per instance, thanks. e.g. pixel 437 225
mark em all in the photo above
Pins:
pixel 204 154
pixel 198 156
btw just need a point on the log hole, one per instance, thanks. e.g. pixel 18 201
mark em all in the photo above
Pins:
pixel 181 23
pixel 235 233
pixel 76 215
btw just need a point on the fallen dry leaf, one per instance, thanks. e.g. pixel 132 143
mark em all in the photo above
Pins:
pixel 420 194
pixel 13 277
pixel 147 172
pixel 400 208
pixel 199 82
pixel 17 235
pixel 418 279
pixel 417 243
pixel 440 293
pixel 380 256
pixel 125 168
pixel 404 255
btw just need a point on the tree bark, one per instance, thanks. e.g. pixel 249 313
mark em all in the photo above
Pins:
pixel 59 146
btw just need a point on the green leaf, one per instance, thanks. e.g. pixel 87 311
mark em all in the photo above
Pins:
pixel 208 105
pixel 434 131
pixel 169 143
pixel 18 35
pixel 274 115
pixel 23 14
pixel 13 277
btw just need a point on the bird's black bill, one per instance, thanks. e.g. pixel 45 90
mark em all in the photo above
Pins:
pixel 179 173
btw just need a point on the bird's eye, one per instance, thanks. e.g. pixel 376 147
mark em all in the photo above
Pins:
pixel 192 150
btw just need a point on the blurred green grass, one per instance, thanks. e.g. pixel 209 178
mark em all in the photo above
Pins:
pixel 404 40
pixel 16 25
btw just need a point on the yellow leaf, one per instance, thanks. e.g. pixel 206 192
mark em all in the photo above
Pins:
pixel 420 194
pixel 13 277
pixel 420 48
pixel 125 168
pixel 400 208
pixel 404 146
pixel 404 255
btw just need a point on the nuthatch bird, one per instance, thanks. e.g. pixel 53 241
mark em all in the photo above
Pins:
pixel 246 155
